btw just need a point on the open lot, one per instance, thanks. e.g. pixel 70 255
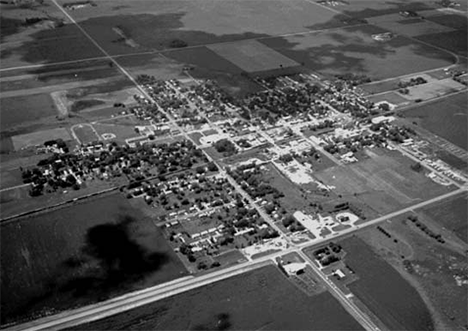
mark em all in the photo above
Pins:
pixel 78 255
pixel 446 118
pixel 22 110
pixel 252 56
pixel 261 299
pixel 383 180
pixel 353 50
pixel 381 288
pixel 39 137
pixel 434 269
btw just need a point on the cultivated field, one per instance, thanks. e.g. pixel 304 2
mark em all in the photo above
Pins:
pixel 261 299
pixel 446 118
pixel 354 50
pixel 79 255
pixel 39 137
pixel 383 180
pixel 381 288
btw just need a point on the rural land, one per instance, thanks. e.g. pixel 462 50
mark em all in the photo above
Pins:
pixel 234 165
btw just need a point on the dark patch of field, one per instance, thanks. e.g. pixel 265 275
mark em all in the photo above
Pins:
pixel 454 21
pixel 452 214
pixel 452 160
pixel 446 118
pixel 455 41
pixel 365 9
pixel 209 65
pixel 19 110
pixel 51 45
pixel 6 145
pixel 261 299
pixel 79 255
pixel 389 296
pixel 80 105
pixel 353 50
pixel 252 56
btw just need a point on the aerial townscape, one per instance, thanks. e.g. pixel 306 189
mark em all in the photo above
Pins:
pixel 234 165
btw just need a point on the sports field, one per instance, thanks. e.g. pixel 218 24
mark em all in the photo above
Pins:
pixel 259 300
pixel 85 133
pixel 252 56
pixel 79 255
pixel 446 118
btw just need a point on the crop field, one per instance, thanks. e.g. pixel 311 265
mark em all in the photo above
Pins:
pixel 366 9
pixel 261 299
pixel 383 180
pixel 353 50
pixel 207 64
pixel 429 266
pixel 446 118
pixel 22 110
pixel 252 56
pixel 79 255
pixel 452 214
pixel 381 288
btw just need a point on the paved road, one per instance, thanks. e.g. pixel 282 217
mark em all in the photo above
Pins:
pixel 139 298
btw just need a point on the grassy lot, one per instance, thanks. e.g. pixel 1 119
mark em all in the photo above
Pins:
pixel 430 267
pixel 446 118
pixel 389 296
pixel 78 255
pixel 353 50
pixel 383 180
pixel 19 110
pixel 452 214
pixel 261 299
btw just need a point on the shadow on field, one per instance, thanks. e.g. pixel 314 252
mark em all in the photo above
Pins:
pixel 112 261
pixel 117 260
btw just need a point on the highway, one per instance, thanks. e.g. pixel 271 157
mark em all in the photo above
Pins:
pixel 136 299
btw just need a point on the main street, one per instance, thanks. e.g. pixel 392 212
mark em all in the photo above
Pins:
pixel 136 299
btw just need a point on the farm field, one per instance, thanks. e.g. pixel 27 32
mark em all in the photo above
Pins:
pixel 381 288
pixel 260 299
pixel 252 56
pixel 79 255
pixel 383 180
pixel 22 110
pixel 193 21
pixel 432 268
pixel 452 214
pixel 446 118
pixel 366 9
pixel 353 50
